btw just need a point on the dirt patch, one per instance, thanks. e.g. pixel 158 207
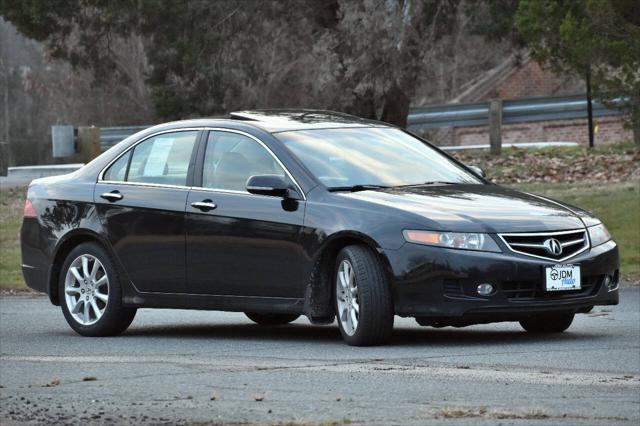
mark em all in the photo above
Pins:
pixel 26 291
pixel 530 414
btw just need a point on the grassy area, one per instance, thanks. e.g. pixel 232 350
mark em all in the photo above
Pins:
pixel 11 206
pixel 617 204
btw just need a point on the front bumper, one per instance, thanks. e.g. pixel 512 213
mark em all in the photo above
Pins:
pixel 439 285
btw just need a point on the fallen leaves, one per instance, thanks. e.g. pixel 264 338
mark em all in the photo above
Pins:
pixel 606 164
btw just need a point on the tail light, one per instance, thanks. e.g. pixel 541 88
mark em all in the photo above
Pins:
pixel 29 210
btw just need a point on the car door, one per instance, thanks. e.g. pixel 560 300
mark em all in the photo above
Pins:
pixel 140 199
pixel 238 243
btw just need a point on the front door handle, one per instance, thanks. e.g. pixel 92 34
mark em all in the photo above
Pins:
pixel 112 196
pixel 204 205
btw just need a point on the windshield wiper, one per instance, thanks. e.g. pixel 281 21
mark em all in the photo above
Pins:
pixel 355 188
pixel 431 182
pixel 365 187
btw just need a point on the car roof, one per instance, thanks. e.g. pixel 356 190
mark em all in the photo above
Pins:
pixel 272 121
pixel 282 120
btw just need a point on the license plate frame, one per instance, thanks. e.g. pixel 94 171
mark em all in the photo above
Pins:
pixel 564 277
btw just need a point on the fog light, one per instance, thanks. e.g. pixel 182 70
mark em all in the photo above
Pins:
pixel 485 289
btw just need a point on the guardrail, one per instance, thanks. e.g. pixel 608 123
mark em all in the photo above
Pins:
pixel 22 175
pixel 513 111
pixel 110 136
pixel 67 140
pixel 524 145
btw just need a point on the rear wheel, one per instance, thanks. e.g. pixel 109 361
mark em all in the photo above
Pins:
pixel 90 293
pixel 364 307
pixel 271 319
pixel 556 323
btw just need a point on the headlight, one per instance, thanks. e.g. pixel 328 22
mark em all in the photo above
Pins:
pixel 598 235
pixel 455 240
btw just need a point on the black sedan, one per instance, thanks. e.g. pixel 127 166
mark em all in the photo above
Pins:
pixel 286 213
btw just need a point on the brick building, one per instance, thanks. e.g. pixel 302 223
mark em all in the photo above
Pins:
pixel 521 77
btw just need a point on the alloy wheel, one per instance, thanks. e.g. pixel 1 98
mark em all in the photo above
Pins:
pixel 347 298
pixel 86 289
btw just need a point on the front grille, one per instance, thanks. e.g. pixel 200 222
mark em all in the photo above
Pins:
pixel 534 290
pixel 541 244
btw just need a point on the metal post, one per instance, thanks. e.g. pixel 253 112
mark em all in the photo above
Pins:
pixel 495 126
pixel 6 155
pixel 635 117
pixel 589 108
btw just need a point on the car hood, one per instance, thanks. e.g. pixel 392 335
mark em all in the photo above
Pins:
pixel 477 208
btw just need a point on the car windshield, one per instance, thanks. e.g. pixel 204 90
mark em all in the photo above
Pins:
pixel 372 157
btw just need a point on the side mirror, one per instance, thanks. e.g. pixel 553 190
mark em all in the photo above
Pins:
pixel 273 185
pixel 477 170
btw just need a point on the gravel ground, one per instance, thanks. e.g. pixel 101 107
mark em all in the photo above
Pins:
pixel 185 367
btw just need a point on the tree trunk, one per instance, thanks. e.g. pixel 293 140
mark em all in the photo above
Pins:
pixel 395 108
pixel 364 105
pixel 590 108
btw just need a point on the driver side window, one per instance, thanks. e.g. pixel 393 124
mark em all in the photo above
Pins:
pixel 231 159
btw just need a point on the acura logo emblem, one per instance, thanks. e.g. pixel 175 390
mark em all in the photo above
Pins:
pixel 553 246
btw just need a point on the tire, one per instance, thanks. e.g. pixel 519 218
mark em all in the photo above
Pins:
pixel 368 286
pixel 271 319
pixel 104 294
pixel 555 323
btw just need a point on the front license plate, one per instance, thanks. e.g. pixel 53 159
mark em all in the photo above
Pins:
pixel 563 277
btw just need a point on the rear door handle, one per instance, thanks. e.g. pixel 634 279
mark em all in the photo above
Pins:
pixel 204 205
pixel 112 196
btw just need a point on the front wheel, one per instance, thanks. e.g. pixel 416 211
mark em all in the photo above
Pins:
pixel 364 306
pixel 271 319
pixel 90 293
pixel 556 323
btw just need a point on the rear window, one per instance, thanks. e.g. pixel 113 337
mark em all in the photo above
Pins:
pixel 163 159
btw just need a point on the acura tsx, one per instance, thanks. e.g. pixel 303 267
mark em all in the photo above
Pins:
pixel 282 213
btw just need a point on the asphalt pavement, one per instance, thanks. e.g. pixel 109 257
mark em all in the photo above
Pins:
pixel 184 367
